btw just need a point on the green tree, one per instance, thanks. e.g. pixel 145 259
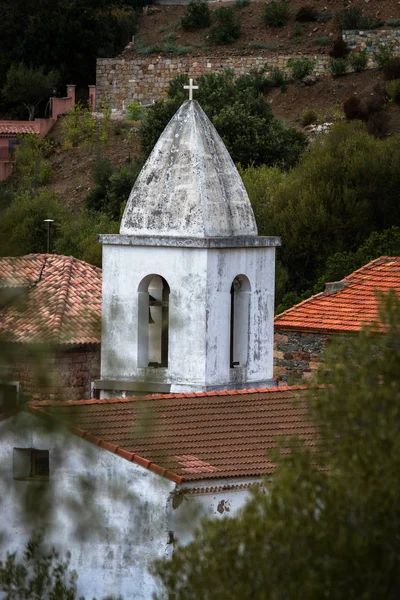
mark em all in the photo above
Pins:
pixel 343 189
pixel 28 86
pixel 328 524
pixel 241 114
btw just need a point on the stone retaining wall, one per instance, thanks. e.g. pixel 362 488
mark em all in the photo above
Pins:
pixel 146 79
pixel 297 355
pixel 122 80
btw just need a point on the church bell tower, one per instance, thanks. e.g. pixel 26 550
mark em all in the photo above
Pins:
pixel 188 285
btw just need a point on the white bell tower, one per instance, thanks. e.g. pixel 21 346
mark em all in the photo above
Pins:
pixel 188 286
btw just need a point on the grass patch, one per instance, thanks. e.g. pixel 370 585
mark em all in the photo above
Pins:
pixel 262 46
pixel 322 41
pixel 176 49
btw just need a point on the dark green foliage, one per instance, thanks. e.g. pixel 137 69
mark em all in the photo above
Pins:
pixel 340 48
pixel 337 66
pixel 28 86
pixel 67 35
pixel 307 14
pixel 378 124
pixel 112 189
pixel 324 16
pixel 241 114
pixel 277 78
pixel 227 28
pixel 393 22
pixel 343 189
pixel 327 524
pixel 276 13
pixel 362 108
pixel 40 574
pixel 301 67
pixel 392 68
pixel 353 18
pixel 359 60
pixel 197 15
pixel 341 264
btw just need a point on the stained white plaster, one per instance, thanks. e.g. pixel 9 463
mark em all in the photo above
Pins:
pixel 116 530
pixel 225 502
pixel 189 185
pixel 200 280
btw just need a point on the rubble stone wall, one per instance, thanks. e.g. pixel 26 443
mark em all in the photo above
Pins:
pixel 297 354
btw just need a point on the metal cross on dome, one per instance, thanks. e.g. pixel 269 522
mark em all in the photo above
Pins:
pixel 190 87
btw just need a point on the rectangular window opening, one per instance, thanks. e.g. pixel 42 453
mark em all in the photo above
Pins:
pixel 30 464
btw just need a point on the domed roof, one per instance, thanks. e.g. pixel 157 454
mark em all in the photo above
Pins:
pixel 189 186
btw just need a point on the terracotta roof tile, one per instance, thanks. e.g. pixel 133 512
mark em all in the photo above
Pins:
pixel 15 128
pixel 209 435
pixel 63 299
pixel 348 309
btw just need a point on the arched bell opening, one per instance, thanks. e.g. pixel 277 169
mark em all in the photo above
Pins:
pixel 153 326
pixel 239 324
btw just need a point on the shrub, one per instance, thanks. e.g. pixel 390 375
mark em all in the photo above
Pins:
pixel 242 3
pixel 298 29
pixel 352 18
pixel 277 77
pixel 352 108
pixel 309 116
pixel 359 60
pixel 227 28
pixel 383 55
pixel 374 104
pixel 392 68
pixel 175 49
pixel 197 15
pixel 307 14
pixel 340 48
pixel 134 111
pixel 394 91
pixel 301 67
pixel 393 22
pixel 78 126
pixel 276 13
pixel 324 16
pixel 378 124
pixel 337 66
pixel 32 170
pixel 382 91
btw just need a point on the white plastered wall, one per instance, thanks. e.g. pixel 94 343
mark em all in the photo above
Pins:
pixel 110 514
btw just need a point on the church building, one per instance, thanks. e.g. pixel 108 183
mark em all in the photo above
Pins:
pixel 187 409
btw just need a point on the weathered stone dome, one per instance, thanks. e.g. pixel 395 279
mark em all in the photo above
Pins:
pixel 189 186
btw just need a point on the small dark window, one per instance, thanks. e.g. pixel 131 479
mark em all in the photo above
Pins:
pixel 30 464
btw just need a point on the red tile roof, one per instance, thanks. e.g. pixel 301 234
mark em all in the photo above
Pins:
pixel 63 302
pixel 191 437
pixel 347 309
pixel 15 128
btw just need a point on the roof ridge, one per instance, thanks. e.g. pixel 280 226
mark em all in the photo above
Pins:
pixel 62 296
pixel 180 395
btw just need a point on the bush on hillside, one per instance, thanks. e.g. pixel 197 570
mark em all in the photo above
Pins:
pixel 383 55
pixel 277 78
pixel 276 13
pixel 242 3
pixel 392 68
pixel 241 114
pixel 359 60
pixel 307 14
pixel 337 66
pixel 353 18
pixel 352 108
pixel 393 91
pixel 301 67
pixel 197 15
pixel 308 117
pixel 340 48
pixel 378 124
pixel 227 28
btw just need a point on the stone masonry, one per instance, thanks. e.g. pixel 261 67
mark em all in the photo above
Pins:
pixel 297 354
pixel 122 80
pixel 70 372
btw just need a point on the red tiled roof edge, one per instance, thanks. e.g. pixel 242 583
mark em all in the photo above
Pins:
pixel 347 279
pixel 280 388
pixel 130 456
